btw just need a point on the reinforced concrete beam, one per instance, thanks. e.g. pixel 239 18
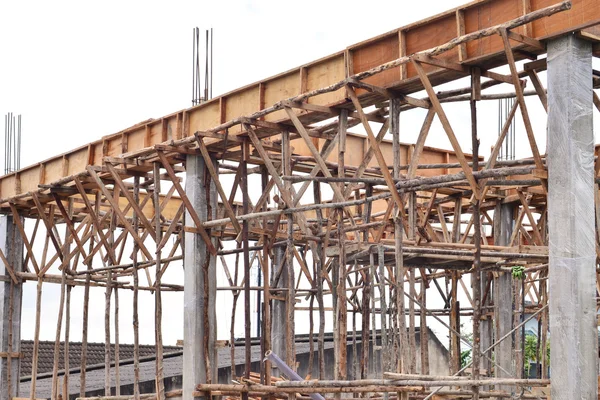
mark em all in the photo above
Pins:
pixel 200 284
pixel 572 261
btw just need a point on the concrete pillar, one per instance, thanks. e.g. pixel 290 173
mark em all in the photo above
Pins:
pixel 503 310
pixel 279 310
pixel 12 247
pixel 199 270
pixel 571 274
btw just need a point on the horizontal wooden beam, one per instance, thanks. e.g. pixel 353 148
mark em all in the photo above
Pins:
pixel 223 113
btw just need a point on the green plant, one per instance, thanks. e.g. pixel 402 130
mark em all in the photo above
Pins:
pixel 465 355
pixel 518 272
pixel 465 358
pixel 531 342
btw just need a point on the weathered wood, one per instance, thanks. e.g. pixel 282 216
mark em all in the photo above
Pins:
pixel 36 340
pixel 446 125
pixel 160 385
pixel 167 166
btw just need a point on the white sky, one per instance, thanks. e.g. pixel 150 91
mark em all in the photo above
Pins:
pixel 77 71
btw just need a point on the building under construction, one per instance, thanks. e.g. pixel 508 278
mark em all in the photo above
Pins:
pixel 350 224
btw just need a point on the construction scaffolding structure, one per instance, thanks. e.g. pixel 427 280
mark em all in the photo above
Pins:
pixel 352 224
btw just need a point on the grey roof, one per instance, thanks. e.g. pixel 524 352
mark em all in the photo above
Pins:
pixel 95 354
pixel 172 367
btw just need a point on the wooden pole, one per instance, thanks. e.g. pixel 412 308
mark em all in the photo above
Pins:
pixel 136 283
pixel 398 245
pixel 36 339
pixel 160 386
pixel 66 363
pixel 476 273
pixel 341 309
pixel 290 348
pixel 423 328
pixel 246 258
pixel 320 257
pixel 85 322
pixel 116 354
pixel 55 389
pixel 266 331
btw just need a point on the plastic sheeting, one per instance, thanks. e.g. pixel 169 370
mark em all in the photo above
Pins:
pixel 572 278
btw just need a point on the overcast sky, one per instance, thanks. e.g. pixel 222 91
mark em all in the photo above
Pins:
pixel 79 70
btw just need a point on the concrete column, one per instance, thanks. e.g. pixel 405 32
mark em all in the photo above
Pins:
pixel 503 304
pixel 199 272
pixel 279 310
pixel 12 247
pixel 571 273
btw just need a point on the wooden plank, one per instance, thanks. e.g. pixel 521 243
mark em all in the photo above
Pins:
pixel 19 223
pixel 49 229
pixel 536 233
pixel 521 100
pixel 378 154
pixel 8 268
pixel 460 30
pixel 315 153
pixel 419 36
pixel 539 88
pixel 115 207
pixel 526 40
pixel 188 204
pixel 215 176
pixel 128 195
pixel 447 128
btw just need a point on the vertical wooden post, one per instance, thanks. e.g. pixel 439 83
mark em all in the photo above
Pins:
pixel 266 331
pixel 136 283
pixel 36 339
pixel 160 384
pixel 11 245
pixel 108 295
pixel 341 308
pixel 246 257
pixel 319 281
pixel 423 329
pixel 399 270
pixel 476 273
pixel 290 348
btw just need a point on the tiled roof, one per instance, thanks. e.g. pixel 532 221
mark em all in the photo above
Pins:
pixel 95 354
